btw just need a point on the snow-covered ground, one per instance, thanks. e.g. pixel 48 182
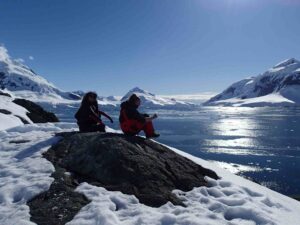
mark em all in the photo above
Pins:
pixel 278 86
pixel 230 200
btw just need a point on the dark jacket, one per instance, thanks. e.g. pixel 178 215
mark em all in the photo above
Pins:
pixel 87 116
pixel 131 112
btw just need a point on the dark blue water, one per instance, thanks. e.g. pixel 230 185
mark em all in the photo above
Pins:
pixel 262 144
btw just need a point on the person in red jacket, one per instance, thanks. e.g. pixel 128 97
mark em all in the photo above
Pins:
pixel 89 116
pixel 132 121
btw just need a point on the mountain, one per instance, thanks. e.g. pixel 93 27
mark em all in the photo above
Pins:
pixel 24 82
pixel 150 100
pixel 278 86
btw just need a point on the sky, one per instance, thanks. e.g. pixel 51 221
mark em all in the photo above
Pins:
pixel 164 46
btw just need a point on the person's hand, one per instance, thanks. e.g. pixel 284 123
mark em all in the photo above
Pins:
pixel 146 115
pixel 154 116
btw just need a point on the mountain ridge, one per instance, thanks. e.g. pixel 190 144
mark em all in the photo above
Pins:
pixel 278 86
pixel 16 77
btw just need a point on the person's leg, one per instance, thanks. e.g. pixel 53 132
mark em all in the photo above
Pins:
pixel 134 127
pixel 148 129
pixel 100 128
pixel 131 127
pixel 94 128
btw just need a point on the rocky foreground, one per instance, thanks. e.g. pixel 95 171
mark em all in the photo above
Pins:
pixel 132 165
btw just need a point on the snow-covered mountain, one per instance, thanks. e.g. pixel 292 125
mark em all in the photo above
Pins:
pixel 150 100
pixel 278 86
pixel 24 82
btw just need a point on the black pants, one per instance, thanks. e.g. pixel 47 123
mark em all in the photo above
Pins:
pixel 92 128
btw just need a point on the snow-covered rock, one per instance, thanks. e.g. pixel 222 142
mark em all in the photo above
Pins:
pixel 150 100
pixel 11 114
pixel 25 83
pixel 280 85
pixel 15 112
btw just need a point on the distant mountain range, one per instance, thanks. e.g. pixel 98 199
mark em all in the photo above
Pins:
pixel 278 86
pixel 21 81
pixel 150 100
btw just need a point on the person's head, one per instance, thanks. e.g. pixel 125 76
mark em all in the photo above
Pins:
pixel 89 98
pixel 135 100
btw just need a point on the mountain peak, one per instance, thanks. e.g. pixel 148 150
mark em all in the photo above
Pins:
pixel 287 62
pixel 138 90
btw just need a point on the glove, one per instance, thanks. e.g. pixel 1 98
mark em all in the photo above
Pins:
pixel 146 115
pixel 154 116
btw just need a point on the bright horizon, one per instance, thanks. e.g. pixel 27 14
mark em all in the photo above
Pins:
pixel 166 47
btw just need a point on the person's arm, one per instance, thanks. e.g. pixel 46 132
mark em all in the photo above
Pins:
pixel 134 114
pixel 107 116
pixel 149 119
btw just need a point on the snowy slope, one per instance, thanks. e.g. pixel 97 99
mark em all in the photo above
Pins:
pixel 280 85
pixel 25 83
pixel 10 113
pixel 150 100
pixel 232 200
pixel 24 173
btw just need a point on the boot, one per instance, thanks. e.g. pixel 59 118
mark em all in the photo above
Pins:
pixel 154 135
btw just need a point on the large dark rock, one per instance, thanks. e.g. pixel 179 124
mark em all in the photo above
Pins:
pixel 132 165
pixel 36 113
pixel 4 93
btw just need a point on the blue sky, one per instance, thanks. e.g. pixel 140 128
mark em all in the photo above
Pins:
pixel 164 46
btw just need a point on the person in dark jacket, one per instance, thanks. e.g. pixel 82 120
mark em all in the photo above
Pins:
pixel 89 116
pixel 132 121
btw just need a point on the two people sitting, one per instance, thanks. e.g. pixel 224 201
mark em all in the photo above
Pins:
pixel 131 120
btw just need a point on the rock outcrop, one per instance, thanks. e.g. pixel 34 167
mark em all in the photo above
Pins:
pixel 36 113
pixel 4 94
pixel 132 165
